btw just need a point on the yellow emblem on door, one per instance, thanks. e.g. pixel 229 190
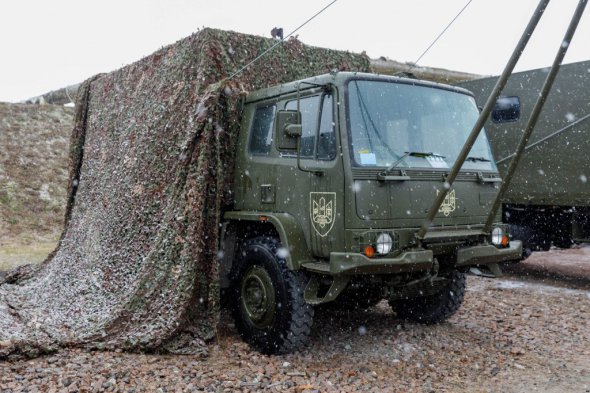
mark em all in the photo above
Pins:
pixel 322 211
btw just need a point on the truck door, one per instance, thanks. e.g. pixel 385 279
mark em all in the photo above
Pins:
pixel 322 163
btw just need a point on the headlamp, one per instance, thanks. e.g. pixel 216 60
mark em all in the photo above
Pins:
pixel 384 244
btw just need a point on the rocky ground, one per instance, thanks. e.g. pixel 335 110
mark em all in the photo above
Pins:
pixel 525 332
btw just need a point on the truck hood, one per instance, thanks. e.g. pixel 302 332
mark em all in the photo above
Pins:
pixel 412 192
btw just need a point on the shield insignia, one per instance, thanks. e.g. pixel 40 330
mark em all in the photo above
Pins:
pixel 322 211
pixel 449 203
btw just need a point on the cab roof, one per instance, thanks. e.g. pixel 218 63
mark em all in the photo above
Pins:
pixel 340 79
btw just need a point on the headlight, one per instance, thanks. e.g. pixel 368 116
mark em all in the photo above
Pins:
pixel 499 238
pixel 383 244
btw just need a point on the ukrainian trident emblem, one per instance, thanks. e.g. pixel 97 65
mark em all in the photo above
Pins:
pixel 322 210
pixel 449 204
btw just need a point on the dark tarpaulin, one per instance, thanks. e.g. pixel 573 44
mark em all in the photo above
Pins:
pixel 150 173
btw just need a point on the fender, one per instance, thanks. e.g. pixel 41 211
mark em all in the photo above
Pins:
pixel 288 228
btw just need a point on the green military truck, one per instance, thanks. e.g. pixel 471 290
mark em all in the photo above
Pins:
pixel 334 177
pixel 548 201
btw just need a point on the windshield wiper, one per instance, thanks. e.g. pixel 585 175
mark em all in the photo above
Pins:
pixel 480 159
pixel 420 154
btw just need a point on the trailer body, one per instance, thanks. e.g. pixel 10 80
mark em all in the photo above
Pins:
pixel 548 200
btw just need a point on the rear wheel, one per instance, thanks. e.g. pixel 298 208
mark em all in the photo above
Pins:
pixel 533 239
pixel 269 308
pixel 562 234
pixel 563 242
pixel 434 308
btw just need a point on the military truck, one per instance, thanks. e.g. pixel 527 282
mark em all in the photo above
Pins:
pixel 334 177
pixel 548 200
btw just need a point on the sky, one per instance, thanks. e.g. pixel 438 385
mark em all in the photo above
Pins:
pixel 46 45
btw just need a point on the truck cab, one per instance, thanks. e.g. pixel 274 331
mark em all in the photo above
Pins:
pixel 334 177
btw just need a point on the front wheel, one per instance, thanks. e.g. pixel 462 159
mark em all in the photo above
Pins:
pixel 269 308
pixel 434 308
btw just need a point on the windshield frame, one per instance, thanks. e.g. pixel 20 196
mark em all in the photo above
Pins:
pixel 413 82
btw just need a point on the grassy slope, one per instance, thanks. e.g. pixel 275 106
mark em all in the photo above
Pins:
pixel 33 177
pixel 15 255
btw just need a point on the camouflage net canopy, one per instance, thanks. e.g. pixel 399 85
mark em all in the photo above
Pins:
pixel 151 161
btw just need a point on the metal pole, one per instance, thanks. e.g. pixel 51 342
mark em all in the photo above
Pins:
pixel 536 111
pixel 487 109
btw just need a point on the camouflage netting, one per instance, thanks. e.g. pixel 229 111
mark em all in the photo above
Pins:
pixel 150 169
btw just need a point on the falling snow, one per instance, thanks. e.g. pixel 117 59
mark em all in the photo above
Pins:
pixel 570 117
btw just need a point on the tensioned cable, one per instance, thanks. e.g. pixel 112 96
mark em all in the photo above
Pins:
pixel 440 35
pixel 281 41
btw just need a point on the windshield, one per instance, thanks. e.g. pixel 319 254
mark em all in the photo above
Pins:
pixel 404 125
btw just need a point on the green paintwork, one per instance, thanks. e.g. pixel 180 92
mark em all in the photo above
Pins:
pixel 488 254
pixel 554 169
pixel 355 264
pixel 289 230
pixel 326 211
pixel 338 285
pixel 452 235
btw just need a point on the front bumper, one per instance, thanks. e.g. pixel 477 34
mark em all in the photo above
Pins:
pixel 484 255
pixel 342 263
pixel 353 263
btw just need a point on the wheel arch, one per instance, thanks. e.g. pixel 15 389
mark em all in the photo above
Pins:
pixel 283 225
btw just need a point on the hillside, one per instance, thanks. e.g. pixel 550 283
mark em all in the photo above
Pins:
pixel 34 142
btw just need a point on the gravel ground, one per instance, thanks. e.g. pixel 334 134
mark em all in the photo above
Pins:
pixel 557 267
pixel 511 335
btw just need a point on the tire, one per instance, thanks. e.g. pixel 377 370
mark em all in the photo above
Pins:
pixel 562 228
pixel 435 308
pixel 563 242
pixel 563 237
pixel 269 308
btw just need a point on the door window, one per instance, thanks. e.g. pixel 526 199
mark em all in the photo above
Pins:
pixel 318 127
pixel 261 133
pixel 327 136
pixel 309 107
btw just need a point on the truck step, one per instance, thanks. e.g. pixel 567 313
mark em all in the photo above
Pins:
pixel 317 267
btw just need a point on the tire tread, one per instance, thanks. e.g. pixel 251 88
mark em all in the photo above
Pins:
pixel 434 309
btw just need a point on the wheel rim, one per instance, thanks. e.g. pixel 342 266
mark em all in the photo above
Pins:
pixel 258 297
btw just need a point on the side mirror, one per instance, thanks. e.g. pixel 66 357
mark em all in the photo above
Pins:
pixel 507 109
pixel 288 129
pixel 294 130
